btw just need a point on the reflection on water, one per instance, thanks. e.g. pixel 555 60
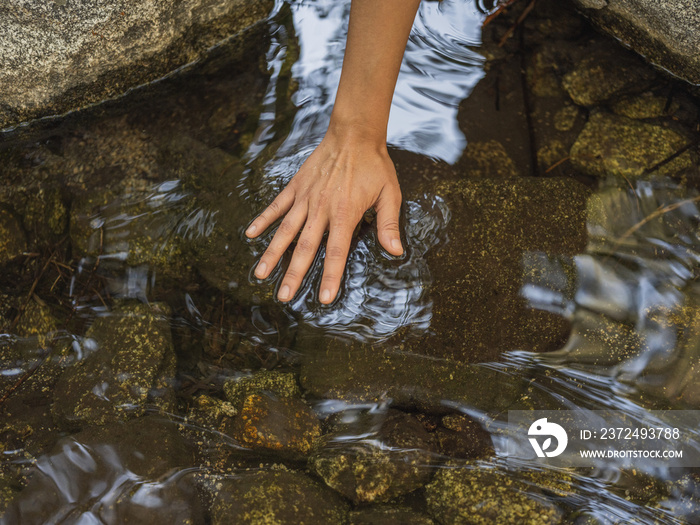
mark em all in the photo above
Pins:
pixel 151 242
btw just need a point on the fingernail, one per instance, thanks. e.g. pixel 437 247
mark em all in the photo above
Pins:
pixel 261 270
pixel 284 293
pixel 251 229
pixel 396 245
pixel 325 296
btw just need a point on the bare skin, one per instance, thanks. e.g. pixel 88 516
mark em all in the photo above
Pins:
pixel 350 171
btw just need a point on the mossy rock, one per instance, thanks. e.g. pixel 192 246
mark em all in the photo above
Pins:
pixel 612 145
pixel 478 310
pixel 475 495
pixel 130 362
pixel 282 425
pixel 395 461
pixel 388 515
pixel 643 106
pixel 363 373
pixel 604 74
pixel 281 384
pixel 488 159
pixel 13 241
pixel 276 498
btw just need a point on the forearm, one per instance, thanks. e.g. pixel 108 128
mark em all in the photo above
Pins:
pixel 376 41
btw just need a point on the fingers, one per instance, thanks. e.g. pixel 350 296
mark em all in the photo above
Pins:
pixel 388 208
pixel 336 255
pixel 284 236
pixel 278 207
pixel 303 257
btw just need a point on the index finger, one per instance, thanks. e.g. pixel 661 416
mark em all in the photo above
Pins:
pixel 339 239
pixel 278 207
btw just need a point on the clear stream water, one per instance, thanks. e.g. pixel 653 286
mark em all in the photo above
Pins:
pixel 633 305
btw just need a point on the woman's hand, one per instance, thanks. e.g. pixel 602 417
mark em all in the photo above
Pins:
pixel 348 173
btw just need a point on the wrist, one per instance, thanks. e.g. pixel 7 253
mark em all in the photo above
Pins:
pixel 358 131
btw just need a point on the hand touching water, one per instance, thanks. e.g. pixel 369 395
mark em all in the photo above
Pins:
pixel 348 173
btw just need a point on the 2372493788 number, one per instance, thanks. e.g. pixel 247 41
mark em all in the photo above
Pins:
pixel 639 433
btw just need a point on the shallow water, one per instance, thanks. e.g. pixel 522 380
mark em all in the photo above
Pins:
pixel 150 195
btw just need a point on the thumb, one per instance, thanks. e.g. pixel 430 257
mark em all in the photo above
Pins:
pixel 388 207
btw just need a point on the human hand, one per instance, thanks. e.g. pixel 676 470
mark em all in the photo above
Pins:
pixel 348 173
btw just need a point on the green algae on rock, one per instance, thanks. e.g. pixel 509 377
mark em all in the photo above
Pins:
pixel 276 498
pixel 608 72
pixel 281 384
pixel 394 462
pixel 282 425
pixel 13 241
pixel 476 495
pixel 488 159
pixel 362 373
pixel 612 145
pixel 129 362
pixel 388 515
pixel 494 224
pixel 643 106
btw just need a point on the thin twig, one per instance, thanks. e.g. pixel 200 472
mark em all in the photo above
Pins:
pixel 500 9
pixel 657 213
pixel 31 293
pixel 557 163
pixel 522 17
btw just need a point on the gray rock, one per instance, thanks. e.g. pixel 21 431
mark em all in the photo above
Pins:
pixel 477 495
pixel 120 473
pixel 130 361
pixel 60 56
pixel 666 32
pixel 612 145
pixel 276 498
pixel 393 462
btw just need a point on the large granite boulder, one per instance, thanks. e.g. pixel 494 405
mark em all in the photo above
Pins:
pixel 666 32
pixel 62 55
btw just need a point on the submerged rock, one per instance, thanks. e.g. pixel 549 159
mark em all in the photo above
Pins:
pixel 362 373
pixel 393 462
pixel 384 515
pixel 478 311
pixel 130 361
pixel 281 384
pixel 612 145
pixel 60 56
pixel 476 495
pixel 488 159
pixel 665 32
pixel 120 473
pixel 276 498
pixel 643 106
pixel 271 424
pixel 606 72
pixel 13 241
